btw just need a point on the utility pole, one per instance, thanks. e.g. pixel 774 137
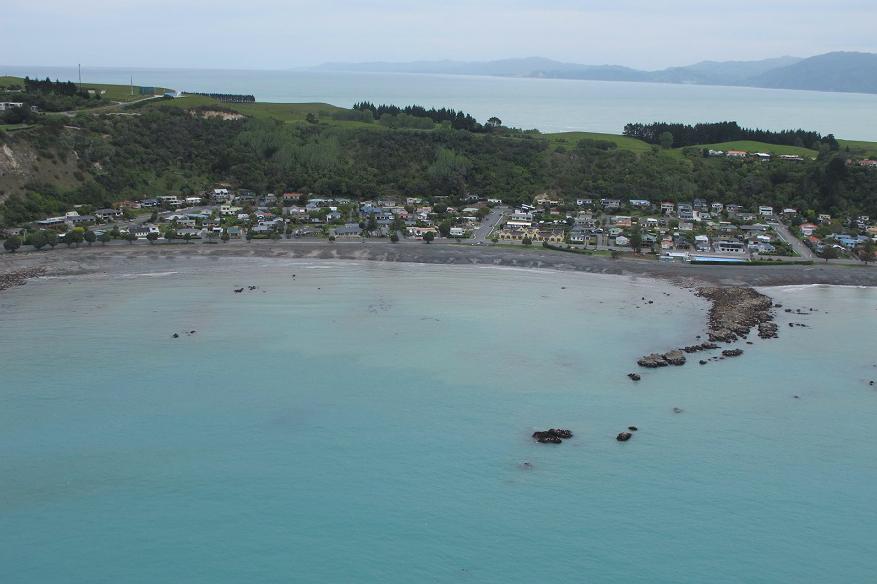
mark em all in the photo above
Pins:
pixel 79 66
pixel 132 85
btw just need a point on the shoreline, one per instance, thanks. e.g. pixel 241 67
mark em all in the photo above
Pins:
pixel 69 261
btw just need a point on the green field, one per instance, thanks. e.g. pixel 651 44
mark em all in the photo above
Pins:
pixel 112 92
pixel 570 139
pixel 860 147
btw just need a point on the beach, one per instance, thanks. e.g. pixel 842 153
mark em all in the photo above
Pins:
pixel 97 258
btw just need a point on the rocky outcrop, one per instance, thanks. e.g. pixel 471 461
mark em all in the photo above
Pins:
pixel 732 352
pixel 655 360
pixel 19 277
pixel 634 376
pixel 768 330
pixel 735 312
pixel 624 436
pixel 552 436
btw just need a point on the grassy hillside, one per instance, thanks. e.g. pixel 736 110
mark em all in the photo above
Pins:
pixel 570 139
pixel 120 93
pixel 860 147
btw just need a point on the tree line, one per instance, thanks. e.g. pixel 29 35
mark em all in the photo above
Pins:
pixel 714 133
pixel 457 119
pixel 226 97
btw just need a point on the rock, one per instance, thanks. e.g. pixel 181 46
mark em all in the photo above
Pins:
pixel 624 436
pixel 702 362
pixel 526 465
pixel 238 290
pixel 652 361
pixel 192 332
pixel 632 428
pixel 552 436
pixel 678 410
pixel 634 376
pixel 732 352
pixel 675 357
pixel 175 336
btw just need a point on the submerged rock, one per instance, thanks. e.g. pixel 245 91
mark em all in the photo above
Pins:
pixel 632 428
pixel 678 410
pixel 624 436
pixel 634 376
pixel 732 352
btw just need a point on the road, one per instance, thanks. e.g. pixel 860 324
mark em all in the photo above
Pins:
pixel 796 244
pixel 487 226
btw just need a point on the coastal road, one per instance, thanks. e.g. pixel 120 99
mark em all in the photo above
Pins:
pixel 488 225
pixel 796 244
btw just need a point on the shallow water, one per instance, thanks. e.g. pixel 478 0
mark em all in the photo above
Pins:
pixel 368 422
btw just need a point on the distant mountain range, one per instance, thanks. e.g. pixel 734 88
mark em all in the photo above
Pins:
pixel 841 71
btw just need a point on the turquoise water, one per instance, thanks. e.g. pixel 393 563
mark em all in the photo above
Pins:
pixel 550 105
pixel 368 422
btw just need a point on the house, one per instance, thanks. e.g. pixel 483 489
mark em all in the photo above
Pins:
pixel 295 212
pixel 736 154
pixel 8 105
pixel 824 218
pixel 234 232
pixel 699 205
pixel 686 226
pixel 701 243
pixel 747 216
pixel 220 195
pixel 585 202
pixel 193 200
pixel 717 208
pixel 621 221
pixel 763 156
pixel 622 241
pixel 578 234
pixel 107 214
pixel 419 232
pixel 494 201
pixel 685 212
pixel 734 247
pixel 79 219
pixel 714 153
pixel 615 231
pixel 348 230
pixel 229 210
pixel 791 157
pixel 457 232
pixel 640 203
pixel 610 203
pixel 808 228
pixel 667 208
pixel 765 211
pixel 148 203
pixel 142 231
pixel 732 209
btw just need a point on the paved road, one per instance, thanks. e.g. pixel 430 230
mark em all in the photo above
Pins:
pixel 488 225
pixel 796 244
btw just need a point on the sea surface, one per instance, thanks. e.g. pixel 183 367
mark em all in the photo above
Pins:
pixel 549 105
pixel 366 422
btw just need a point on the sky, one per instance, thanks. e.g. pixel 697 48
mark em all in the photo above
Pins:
pixel 284 34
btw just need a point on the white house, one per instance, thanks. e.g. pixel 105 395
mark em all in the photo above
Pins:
pixel 765 211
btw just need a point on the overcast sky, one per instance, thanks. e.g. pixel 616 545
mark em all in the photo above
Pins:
pixel 279 34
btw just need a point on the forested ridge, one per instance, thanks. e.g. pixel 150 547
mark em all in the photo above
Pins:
pixel 170 150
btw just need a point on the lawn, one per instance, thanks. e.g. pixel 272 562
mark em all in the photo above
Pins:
pixel 113 92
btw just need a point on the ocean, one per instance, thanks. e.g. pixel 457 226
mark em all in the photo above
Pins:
pixel 549 105
pixel 368 422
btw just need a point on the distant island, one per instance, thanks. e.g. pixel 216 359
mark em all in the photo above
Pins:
pixel 837 72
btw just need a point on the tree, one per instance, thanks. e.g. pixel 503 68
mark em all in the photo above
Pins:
pixel 130 237
pixel 74 237
pixel 170 233
pixel 105 237
pixel 52 238
pixel 39 240
pixel 90 237
pixel 249 235
pixel 527 241
pixel 187 237
pixel 428 236
pixel 636 239
pixel 312 118
pixel 12 243
pixel 445 228
pixel 394 237
pixel 152 236
pixel 829 252
pixel 332 238
pixel 666 140
pixel 494 122
pixel 866 254
pixel 225 236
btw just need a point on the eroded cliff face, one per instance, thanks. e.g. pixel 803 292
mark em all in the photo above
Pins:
pixel 21 164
